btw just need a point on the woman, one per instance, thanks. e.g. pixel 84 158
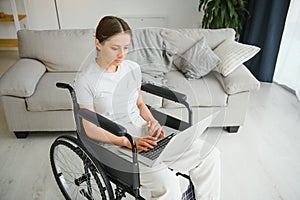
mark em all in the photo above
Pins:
pixel 110 86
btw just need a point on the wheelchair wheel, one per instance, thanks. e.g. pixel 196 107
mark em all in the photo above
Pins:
pixel 76 172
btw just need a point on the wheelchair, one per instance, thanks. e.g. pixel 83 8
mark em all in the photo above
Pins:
pixel 83 169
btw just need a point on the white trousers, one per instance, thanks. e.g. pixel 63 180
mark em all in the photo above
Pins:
pixel 200 160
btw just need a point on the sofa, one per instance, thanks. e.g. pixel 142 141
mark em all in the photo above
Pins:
pixel 33 103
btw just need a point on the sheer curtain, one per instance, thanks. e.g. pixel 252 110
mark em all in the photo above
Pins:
pixel 287 71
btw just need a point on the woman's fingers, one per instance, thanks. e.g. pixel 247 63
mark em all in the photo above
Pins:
pixel 153 128
pixel 145 143
pixel 162 134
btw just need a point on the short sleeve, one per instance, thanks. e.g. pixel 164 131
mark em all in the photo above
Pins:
pixel 83 91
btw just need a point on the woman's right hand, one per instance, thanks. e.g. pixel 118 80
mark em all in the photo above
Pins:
pixel 143 143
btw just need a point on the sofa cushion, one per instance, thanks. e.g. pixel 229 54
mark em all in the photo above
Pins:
pixel 213 37
pixel 180 40
pixel 232 55
pixel 206 91
pixel 48 97
pixel 59 50
pixel 21 79
pixel 197 61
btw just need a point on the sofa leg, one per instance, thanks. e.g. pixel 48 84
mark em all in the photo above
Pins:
pixel 21 134
pixel 232 129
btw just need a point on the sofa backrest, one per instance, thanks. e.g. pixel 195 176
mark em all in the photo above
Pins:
pixel 213 37
pixel 68 50
pixel 59 50
pixel 183 39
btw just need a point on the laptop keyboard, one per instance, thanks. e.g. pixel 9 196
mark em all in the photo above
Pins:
pixel 155 152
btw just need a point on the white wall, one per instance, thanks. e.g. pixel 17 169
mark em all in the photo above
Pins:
pixel 86 13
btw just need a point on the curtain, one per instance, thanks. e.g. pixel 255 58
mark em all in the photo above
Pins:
pixel 264 28
pixel 287 71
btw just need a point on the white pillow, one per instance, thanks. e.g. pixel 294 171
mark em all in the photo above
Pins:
pixel 232 54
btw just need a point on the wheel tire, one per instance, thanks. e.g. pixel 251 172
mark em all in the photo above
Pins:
pixel 76 172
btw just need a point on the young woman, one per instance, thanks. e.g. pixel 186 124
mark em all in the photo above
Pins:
pixel 110 86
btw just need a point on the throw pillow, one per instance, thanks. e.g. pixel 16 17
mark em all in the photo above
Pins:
pixel 197 61
pixel 232 55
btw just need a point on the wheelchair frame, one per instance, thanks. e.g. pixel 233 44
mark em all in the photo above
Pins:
pixel 99 170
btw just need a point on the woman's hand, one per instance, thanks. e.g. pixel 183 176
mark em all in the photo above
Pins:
pixel 155 130
pixel 143 144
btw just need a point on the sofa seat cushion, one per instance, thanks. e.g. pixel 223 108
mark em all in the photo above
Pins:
pixel 48 97
pixel 206 91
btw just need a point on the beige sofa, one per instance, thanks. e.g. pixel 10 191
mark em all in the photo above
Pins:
pixel 32 103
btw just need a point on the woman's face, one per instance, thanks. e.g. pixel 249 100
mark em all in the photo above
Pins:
pixel 114 50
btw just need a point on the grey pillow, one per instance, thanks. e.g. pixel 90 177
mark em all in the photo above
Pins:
pixel 197 61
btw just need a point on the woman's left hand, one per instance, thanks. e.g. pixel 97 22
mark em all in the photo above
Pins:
pixel 154 129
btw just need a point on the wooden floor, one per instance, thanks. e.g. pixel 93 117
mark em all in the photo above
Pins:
pixel 261 162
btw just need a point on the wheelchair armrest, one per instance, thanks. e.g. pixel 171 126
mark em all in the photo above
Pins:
pixel 102 122
pixel 164 92
pixel 171 95
pixel 110 126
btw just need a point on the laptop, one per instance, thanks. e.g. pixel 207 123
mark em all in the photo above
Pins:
pixel 174 144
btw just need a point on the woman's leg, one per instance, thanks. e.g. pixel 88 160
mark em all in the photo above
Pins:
pixel 162 183
pixel 202 162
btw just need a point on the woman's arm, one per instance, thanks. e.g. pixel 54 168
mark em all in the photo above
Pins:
pixel 99 134
pixel 154 128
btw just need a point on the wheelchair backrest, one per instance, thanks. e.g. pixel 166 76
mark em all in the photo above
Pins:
pixel 118 169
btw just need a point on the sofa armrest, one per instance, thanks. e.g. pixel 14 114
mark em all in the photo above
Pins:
pixel 21 78
pixel 240 80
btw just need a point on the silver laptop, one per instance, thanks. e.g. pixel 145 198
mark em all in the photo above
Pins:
pixel 175 143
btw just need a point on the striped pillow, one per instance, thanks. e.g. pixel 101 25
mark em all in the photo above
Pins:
pixel 232 54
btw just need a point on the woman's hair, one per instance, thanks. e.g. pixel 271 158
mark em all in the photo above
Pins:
pixel 109 26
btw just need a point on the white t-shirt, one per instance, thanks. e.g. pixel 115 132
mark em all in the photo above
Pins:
pixel 112 94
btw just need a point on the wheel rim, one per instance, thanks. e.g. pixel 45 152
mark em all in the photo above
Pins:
pixel 76 174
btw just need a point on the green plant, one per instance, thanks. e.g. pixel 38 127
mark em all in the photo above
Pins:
pixel 223 13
